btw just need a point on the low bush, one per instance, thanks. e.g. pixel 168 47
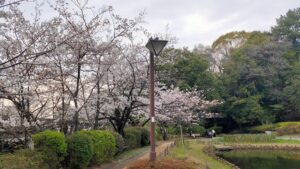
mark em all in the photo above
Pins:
pixel 131 141
pixel 80 150
pixel 263 128
pixel 289 129
pixel 24 159
pixel 287 123
pixel 249 138
pixel 274 127
pixel 104 145
pixel 145 136
pixel 158 135
pixel 119 143
pixel 172 130
pixel 218 129
pixel 53 145
pixel 136 137
pixel 196 129
pixel 133 137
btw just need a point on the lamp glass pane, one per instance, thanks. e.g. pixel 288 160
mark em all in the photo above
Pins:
pixel 156 46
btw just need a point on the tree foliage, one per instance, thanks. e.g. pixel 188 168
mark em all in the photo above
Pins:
pixel 260 77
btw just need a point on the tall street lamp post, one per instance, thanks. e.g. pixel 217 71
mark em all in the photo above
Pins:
pixel 155 47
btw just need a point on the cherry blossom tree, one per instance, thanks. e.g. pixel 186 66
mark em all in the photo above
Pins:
pixel 80 69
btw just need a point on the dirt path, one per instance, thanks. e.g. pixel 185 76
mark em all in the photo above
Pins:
pixel 121 163
pixel 160 151
pixel 143 155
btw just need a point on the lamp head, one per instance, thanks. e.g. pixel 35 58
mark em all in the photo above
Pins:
pixel 156 46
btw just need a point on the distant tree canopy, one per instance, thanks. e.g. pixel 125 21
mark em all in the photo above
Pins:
pixel 256 75
pixel 260 78
pixel 288 26
pixel 189 71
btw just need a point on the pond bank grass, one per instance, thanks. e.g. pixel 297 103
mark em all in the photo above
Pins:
pixel 195 152
pixel 249 138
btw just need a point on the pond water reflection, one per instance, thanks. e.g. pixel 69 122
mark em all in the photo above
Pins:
pixel 255 159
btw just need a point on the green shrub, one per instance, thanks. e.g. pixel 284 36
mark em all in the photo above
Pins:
pixel 288 129
pixel 24 159
pixel 158 135
pixel 131 141
pixel 133 137
pixel 262 128
pixel 104 145
pixel 175 129
pixel 280 127
pixel 249 138
pixel 218 129
pixel 136 137
pixel 172 130
pixel 80 150
pixel 53 145
pixel 119 143
pixel 287 123
pixel 197 129
pixel 145 136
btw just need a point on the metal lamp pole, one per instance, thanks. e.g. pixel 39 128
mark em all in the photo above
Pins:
pixel 155 46
pixel 152 107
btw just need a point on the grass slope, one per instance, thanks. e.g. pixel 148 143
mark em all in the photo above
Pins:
pixel 194 152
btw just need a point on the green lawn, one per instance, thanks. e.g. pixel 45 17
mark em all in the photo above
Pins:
pixel 194 152
pixel 286 141
pixel 256 139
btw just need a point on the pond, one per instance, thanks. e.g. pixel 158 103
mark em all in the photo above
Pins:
pixel 257 159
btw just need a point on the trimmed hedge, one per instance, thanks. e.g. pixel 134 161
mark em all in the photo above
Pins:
pixel 104 145
pixel 24 159
pixel 53 145
pixel 132 140
pixel 80 150
pixel 136 137
pixel 119 143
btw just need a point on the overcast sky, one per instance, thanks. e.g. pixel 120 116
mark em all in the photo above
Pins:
pixel 202 21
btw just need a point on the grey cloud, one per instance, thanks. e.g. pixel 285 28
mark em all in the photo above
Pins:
pixel 202 21
pixel 220 16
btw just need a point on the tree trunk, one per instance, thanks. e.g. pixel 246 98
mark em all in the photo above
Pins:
pixel 96 125
pixel 75 96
